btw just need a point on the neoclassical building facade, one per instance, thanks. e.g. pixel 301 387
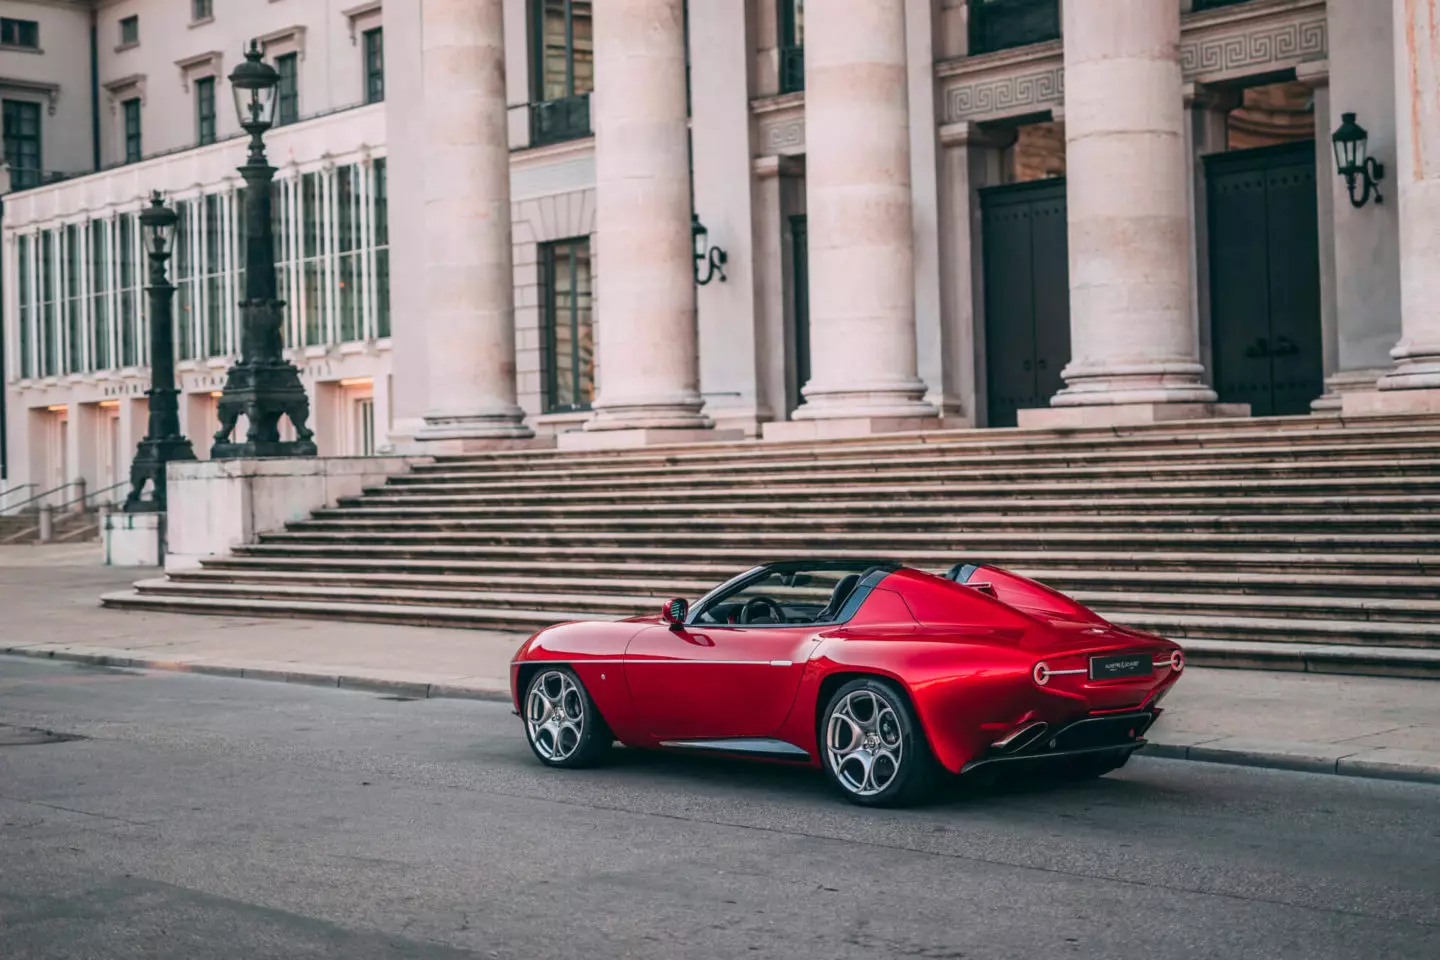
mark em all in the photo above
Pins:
pixel 493 216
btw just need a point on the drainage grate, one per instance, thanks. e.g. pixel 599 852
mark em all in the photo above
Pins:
pixel 32 736
pixel 400 699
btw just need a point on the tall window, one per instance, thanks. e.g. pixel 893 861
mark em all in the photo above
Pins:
pixel 569 325
pixel 130 31
pixel 380 219
pixel 128 281
pixel 205 110
pixel 792 45
pixel 282 215
pixel 26 265
pixel 187 295
pixel 49 306
pixel 312 266
pixel 74 304
pixel 288 108
pixel 100 351
pixel 374 65
pixel 564 71
pixel 212 212
pixel 19 33
pixel 348 262
pixel 132 130
pixel 22 142
pixel 201 10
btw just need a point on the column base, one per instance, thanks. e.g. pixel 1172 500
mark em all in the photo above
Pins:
pixel 841 428
pixel 462 445
pixel 503 425
pixel 1125 414
pixel 1343 382
pixel 1391 403
pixel 642 437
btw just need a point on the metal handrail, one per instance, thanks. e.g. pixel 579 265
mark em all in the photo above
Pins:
pixel 41 496
pixel 86 496
pixel 18 486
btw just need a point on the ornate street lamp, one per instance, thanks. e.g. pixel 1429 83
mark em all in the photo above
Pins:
pixel 711 258
pixel 1351 162
pixel 163 441
pixel 263 385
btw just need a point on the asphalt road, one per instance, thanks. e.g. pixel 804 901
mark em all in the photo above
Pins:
pixel 210 818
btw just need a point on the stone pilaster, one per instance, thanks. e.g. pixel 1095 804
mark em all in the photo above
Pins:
pixel 646 369
pixel 861 236
pixel 1417 182
pixel 469 299
pixel 1135 351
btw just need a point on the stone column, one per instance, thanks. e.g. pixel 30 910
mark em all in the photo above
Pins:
pixel 1414 385
pixel 646 367
pixel 1135 351
pixel 469 298
pixel 861 233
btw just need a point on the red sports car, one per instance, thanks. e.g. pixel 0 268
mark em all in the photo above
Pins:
pixel 883 675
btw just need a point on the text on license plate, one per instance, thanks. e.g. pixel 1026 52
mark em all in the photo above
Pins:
pixel 1121 665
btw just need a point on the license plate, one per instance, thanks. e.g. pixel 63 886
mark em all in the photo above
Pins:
pixel 1120 665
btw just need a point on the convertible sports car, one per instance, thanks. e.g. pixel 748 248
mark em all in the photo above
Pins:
pixel 883 675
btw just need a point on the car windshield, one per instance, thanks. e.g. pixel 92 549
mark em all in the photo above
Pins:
pixel 787 594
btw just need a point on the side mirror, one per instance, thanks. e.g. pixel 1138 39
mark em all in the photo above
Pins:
pixel 986 588
pixel 674 613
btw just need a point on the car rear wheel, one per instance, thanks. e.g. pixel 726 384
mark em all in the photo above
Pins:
pixel 874 750
pixel 561 723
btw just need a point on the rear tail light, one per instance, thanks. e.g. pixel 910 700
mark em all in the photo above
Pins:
pixel 1041 674
pixel 1177 661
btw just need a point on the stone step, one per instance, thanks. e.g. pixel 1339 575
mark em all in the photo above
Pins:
pixel 1272 431
pixel 930 457
pixel 625 598
pixel 880 543
pixel 692 580
pixel 399 509
pixel 1013 493
pixel 393 607
pixel 740 558
pixel 1416 470
pixel 894 518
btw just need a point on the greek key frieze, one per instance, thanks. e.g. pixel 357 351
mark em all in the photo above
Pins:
pixel 993 96
pixel 1282 43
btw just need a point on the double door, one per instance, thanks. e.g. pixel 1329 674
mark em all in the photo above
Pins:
pixel 1265 278
pixel 1027 296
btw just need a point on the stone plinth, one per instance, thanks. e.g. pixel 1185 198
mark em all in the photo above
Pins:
pixel 625 439
pixel 216 505
pixel 841 428
pixel 1388 403
pixel 133 539
pixel 1125 414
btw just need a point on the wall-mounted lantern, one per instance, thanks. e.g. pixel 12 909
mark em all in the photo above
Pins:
pixel 712 259
pixel 1352 163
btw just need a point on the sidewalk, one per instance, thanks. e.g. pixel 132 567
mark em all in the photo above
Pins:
pixel 1357 726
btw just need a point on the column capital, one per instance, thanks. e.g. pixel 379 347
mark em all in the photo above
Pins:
pixel 1207 97
pixel 1315 74
pixel 778 166
pixel 964 133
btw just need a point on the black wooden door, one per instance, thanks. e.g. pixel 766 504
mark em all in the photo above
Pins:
pixel 1027 296
pixel 1265 278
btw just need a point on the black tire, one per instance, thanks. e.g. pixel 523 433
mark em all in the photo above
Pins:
pixel 575 737
pixel 1097 765
pixel 885 784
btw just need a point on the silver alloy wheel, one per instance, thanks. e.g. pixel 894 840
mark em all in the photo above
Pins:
pixel 555 715
pixel 864 743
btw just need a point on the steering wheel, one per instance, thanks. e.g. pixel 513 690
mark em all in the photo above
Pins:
pixel 747 612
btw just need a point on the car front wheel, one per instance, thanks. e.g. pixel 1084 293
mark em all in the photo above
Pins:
pixel 874 749
pixel 561 723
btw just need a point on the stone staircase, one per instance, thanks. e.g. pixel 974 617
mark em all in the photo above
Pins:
pixel 1306 543
pixel 69 527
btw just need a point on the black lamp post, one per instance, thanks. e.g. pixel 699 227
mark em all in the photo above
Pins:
pixel 1350 141
pixel 711 258
pixel 163 441
pixel 263 385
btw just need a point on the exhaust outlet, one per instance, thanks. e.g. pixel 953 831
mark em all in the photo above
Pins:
pixel 1022 738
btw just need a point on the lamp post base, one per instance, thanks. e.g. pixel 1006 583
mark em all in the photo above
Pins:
pixel 148 468
pixel 263 392
pixel 255 449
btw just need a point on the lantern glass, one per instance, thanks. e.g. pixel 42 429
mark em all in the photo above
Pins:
pixel 255 105
pixel 700 236
pixel 1350 141
pixel 158 223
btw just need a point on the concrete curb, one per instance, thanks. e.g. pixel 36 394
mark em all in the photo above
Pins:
pixel 361 684
pixel 1375 763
